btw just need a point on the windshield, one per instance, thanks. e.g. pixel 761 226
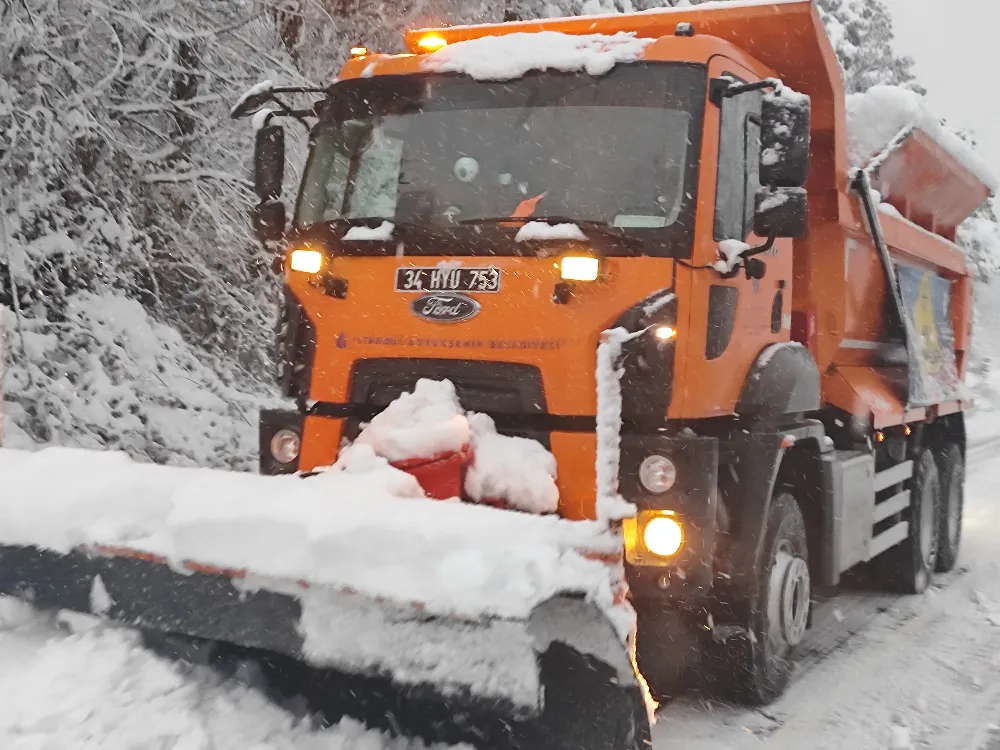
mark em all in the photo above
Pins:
pixel 442 150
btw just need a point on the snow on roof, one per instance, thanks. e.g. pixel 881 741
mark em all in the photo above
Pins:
pixel 682 8
pixel 509 56
pixel 541 230
pixel 879 119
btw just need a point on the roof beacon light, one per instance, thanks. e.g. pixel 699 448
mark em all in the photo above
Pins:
pixel 359 50
pixel 431 42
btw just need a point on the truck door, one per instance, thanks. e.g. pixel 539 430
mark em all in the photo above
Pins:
pixel 731 319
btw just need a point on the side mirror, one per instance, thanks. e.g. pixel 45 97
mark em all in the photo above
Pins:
pixel 781 212
pixel 784 139
pixel 253 100
pixel 269 221
pixel 269 162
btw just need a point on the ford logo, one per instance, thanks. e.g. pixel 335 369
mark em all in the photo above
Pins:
pixel 445 308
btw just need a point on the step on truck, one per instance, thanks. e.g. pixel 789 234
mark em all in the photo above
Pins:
pixel 790 331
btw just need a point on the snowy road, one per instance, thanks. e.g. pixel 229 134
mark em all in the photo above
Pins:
pixel 883 672
pixel 878 672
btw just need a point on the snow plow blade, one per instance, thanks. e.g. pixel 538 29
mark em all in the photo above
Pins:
pixel 561 678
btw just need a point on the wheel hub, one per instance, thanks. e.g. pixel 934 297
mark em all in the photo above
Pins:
pixel 790 594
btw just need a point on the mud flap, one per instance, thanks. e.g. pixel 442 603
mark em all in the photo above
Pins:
pixel 561 679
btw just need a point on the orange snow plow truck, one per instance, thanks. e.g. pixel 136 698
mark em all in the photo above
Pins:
pixel 794 330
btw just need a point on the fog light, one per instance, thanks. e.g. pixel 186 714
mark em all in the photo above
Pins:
pixel 657 474
pixel 580 268
pixel 285 446
pixel 306 261
pixel 662 536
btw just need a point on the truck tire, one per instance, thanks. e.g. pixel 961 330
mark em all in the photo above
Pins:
pixel 908 567
pixel 763 665
pixel 951 471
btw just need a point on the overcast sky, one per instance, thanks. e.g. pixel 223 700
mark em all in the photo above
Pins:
pixel 955 46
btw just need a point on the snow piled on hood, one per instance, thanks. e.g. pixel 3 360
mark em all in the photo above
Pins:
pixel 503 58
pixel 880 118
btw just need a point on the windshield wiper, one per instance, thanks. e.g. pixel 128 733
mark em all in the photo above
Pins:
pixel 601 227
pixel 597 223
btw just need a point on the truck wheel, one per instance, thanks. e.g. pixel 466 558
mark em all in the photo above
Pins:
pixel 951 471
pixel 778 623
pixel 907 568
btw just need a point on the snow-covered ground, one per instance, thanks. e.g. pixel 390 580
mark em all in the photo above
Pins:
pixel 883 672
pixel 878 672
pixel 72 685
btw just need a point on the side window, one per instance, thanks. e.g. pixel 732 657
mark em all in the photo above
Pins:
pixel 751 170
pixel 738 176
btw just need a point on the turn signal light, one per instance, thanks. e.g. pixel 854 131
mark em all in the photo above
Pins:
pixel 653 538
pixel 306 261
pixel 662 536
pixel 580 268
pixel 431 42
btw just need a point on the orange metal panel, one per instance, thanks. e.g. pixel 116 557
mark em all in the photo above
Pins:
pixel 710 388
pixel 320 442
pixel 519 324
pixel 865 393
pixel 928 185
pixel 575 454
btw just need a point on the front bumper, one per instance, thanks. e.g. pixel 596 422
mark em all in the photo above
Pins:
pixel 692 501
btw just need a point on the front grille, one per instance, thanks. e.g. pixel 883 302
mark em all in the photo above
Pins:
pixel 510 393
pixel 490 387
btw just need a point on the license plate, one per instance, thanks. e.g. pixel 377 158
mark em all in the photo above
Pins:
pixel 448 279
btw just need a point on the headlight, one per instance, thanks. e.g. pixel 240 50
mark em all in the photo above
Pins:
pixel 580 268
pixel 662 536
pixel 306 261
pixel 285 446
pixel 657 474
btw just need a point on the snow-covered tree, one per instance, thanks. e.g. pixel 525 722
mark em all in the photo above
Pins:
pixel 862 35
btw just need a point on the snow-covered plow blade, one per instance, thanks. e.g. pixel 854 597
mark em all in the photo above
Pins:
pixel 443 621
